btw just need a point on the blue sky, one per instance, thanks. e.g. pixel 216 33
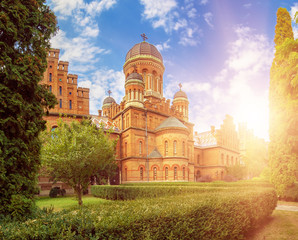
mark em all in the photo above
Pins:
pixel 220 50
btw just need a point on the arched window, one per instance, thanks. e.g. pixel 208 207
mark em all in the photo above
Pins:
pixel 175 147
pixel 175 173
pixel 70 104
pixel 166 173
pixel 140 147
pixel 125 174
pixel 232 161
pixel 154 173
pixel 141 173
pixel 60 90
pixel 183 148
pixel 60 103
pixel 228 161
pixel 166 148
pixel 50 88
pixel 125 149
pixel 50 77
pixel 198 159
pixel 222 159
pixel 183 173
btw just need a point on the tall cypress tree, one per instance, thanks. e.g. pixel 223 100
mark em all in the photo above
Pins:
pixel 283 98
pixel 26 27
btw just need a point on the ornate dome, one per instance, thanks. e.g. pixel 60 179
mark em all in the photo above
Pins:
pixel 135 75
pixel 108 100
pixel 180 94
pixel 143 48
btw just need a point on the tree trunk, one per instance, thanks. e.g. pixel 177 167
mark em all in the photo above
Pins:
pixel 79 194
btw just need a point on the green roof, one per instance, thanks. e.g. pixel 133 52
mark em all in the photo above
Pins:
pixel 155 154
pixel 171 122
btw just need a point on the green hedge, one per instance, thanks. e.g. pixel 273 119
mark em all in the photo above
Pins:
pixel 222 215
pixel 153 190
pixel 291 193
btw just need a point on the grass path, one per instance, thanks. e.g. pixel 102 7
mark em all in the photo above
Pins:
pixel 281 225
pixel 67 202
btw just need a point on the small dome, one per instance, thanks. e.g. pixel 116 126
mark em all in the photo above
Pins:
pixel 143 48
pixel 135 75
pixel 109 100
pixel 180 94
pixel 171 122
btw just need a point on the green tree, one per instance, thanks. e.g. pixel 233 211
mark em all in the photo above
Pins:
pixel 283 100
pixel 74 152
pixel 26 27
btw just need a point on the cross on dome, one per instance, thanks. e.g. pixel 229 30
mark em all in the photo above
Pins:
pixel 180 86
pixel 144 37
pixel 109 92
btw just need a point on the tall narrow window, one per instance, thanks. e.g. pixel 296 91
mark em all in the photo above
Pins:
pixel 60 103
pixel 166 173
pixel 125 174
pixel 141 173
pixel 228 161
pixel 60 90
pixel 175 147
pixel 183 173
pixel 166 148
pixel 140 147
pixel 50 77
pixel 175 173
pixel 154 173
pixel 198 160
pixel 70 104
pixel 232 161
pixel 125 150
pixel 222 159
pixel 183 148
pixel 50 88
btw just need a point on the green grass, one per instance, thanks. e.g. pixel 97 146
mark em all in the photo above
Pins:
pixel 67 202
pixel 281 225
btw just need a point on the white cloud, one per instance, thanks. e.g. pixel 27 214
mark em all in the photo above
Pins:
pixel 192 13
pixel 204 2
pixel 189 36
pixel 293 10
pixel 101 81
pixel 91 31
pixel 247 5
pixel 65 7
pixel 182 23
pixel 96 7
pixel 239 86
pixel 208 18
pixel 160 13
pixel 163 46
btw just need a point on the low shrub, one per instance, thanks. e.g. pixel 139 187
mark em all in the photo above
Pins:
pixel 205 178
pixel 224 215
pixel 291 193
pixel 55 191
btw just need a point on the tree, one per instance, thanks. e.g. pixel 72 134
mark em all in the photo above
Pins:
pixel 74 152
pixel 26 27
pixel 283 99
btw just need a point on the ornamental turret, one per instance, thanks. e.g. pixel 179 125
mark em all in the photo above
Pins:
pixel 180 103
pixel 134 90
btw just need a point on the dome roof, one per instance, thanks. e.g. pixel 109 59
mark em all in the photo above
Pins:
pixel 180 94
pixel 171 122
pixel 143 48
pixel 135 75
pixel 108 100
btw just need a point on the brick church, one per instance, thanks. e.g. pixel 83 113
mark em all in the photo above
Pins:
pixel 156 139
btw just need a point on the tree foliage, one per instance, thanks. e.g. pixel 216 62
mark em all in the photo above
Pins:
pixel 26 27
pixel 74 152
pixel 283 96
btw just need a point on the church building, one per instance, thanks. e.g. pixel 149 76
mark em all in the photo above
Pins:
pixel 156 140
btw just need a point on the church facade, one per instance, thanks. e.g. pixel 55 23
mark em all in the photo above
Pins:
pixel 156 141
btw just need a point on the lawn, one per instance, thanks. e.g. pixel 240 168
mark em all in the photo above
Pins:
pixel 281 225
pixel 60 203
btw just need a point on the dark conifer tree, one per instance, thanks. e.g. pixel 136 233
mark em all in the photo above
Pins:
pixel 26 27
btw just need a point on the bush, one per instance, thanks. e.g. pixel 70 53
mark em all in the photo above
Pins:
pixel 205 178
pixel 55 191
pixel 291 193
pixel 224 215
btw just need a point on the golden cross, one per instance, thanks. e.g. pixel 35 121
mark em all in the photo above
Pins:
pixel 180 85
pixel 144 37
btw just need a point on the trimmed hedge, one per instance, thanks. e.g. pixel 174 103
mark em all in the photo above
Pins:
pixel 291 193
pixel 223 215
pixel 154 190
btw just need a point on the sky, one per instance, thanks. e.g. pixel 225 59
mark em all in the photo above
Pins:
pixel 220 51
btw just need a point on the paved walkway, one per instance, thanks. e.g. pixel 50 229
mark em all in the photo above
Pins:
pixel 287 208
